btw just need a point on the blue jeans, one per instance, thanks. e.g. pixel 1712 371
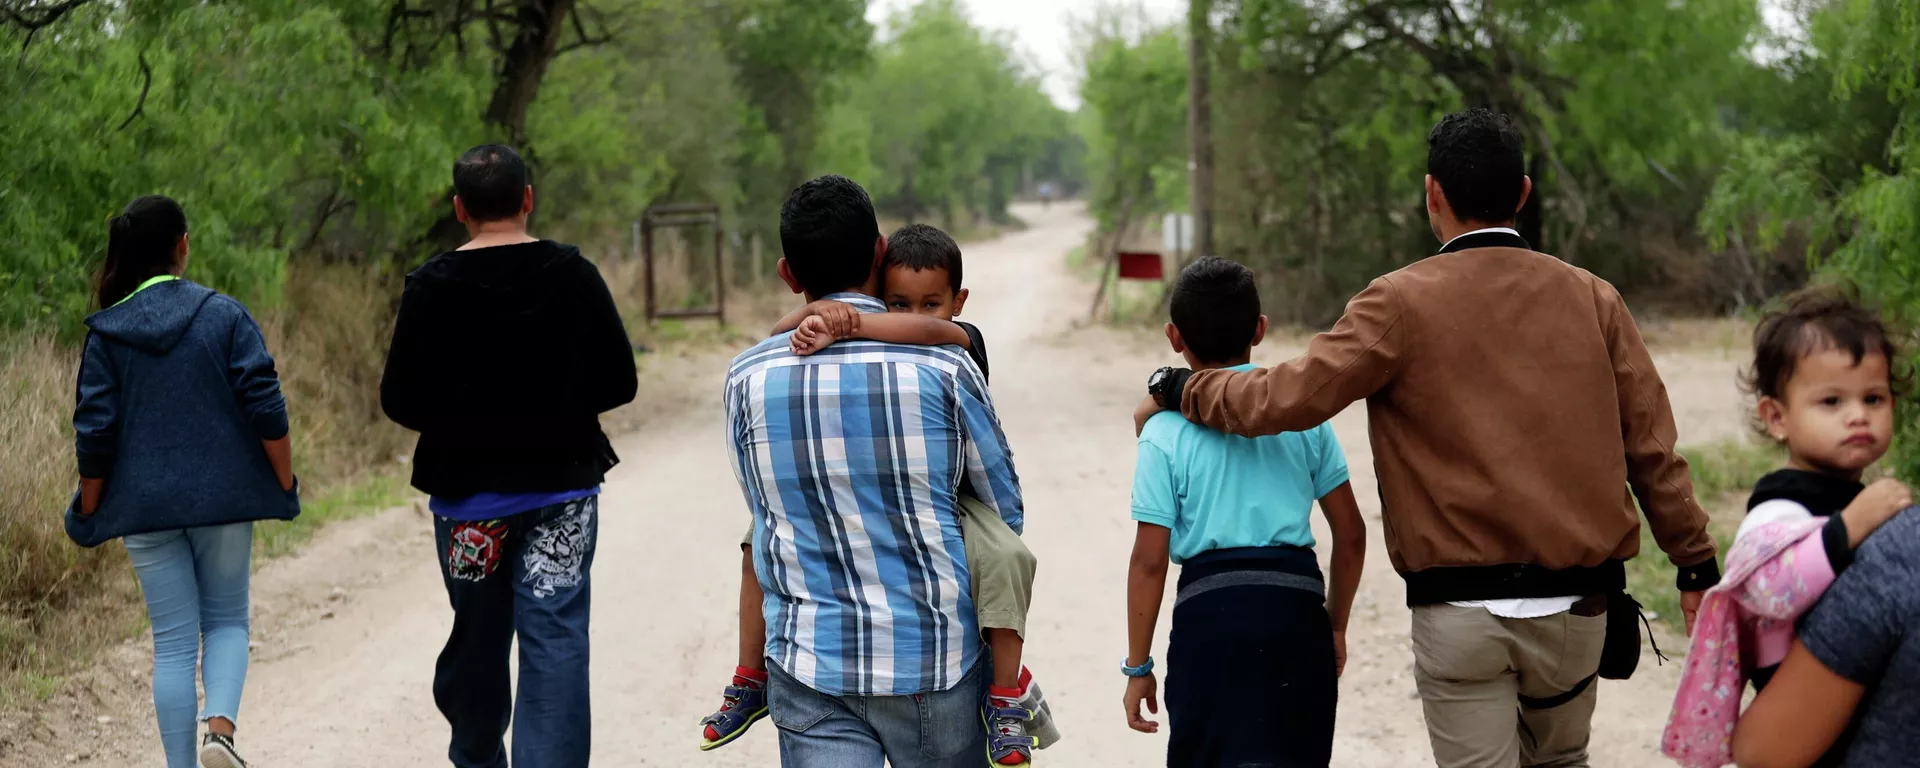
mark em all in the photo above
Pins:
pixel 195 582
pixel 526 575
pixel 925 730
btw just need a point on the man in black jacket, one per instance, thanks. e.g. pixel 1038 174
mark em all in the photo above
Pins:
pixel 505 353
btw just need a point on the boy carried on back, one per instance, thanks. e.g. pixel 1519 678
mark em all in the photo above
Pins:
pixel 923 296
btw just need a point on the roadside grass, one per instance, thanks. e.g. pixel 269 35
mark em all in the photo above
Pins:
pixel 60 605
pixel 1721 472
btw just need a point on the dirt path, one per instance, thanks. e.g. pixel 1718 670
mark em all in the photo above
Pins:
pixel 347 632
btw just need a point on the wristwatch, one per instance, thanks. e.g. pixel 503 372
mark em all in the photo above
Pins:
pixel 1140 671
pixel 1165 386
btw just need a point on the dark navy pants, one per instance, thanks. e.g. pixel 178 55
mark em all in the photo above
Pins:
pixel 1250 676
pixel 526 575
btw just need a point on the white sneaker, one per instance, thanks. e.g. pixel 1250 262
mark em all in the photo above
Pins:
pixel 216 751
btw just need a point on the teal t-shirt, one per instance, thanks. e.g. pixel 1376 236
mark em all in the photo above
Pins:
pixel 1216 491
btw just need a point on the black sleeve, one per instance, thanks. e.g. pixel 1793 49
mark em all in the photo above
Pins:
pixel 1838 543
pixel 403 385
pixel 976 347
pixel 612 378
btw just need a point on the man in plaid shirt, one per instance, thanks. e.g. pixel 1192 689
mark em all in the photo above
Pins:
pixel 850 460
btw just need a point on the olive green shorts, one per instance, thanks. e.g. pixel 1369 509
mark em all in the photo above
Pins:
pixel 1000 562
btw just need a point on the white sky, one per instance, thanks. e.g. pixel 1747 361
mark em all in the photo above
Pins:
pixel 1040 29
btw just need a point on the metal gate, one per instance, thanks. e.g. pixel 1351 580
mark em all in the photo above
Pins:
pixel 683 215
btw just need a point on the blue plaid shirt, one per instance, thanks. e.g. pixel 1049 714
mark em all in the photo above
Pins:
pixel 850 460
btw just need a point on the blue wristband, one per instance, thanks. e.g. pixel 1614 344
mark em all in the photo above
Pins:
pixel 1140 671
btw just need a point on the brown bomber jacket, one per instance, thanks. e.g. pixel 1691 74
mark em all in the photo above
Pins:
pixel 1515 416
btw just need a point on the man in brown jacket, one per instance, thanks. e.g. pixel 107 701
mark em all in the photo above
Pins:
pixel 1515 415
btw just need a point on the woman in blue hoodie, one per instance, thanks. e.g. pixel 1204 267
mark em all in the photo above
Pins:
pixel 181 433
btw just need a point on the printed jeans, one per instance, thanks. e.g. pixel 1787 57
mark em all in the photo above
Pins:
pixel 526 574
pixel 195 582
pixel 942 729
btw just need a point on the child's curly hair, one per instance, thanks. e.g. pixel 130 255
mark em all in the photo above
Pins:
pixel 1814 320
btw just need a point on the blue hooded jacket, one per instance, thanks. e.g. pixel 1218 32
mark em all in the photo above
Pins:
pixel 176 392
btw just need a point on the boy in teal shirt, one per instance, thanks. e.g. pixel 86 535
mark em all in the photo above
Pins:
pixel 1258 639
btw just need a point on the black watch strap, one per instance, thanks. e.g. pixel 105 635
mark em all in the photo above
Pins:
pixel 1174 388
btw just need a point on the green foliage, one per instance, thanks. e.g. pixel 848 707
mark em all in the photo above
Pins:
pixel 288 114
pixel 1320 112
pixel 1838 167
pixel 324 130
pixel 948 113
pixel 1134 87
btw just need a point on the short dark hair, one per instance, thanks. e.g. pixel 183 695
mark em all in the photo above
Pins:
pixel 1216 307
pixel 1479 159
pixel 827 232
pixel 919 246
pixel 1810 321
pixel 491 181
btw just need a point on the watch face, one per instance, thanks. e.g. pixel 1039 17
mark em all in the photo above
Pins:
pixel 1154 381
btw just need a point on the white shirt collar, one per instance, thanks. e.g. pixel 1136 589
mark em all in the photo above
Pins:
pixel 1507 230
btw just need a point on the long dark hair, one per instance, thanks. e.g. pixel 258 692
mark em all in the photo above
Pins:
pixel 140 246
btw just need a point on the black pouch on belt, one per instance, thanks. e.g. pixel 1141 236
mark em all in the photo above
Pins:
pixel 1620 656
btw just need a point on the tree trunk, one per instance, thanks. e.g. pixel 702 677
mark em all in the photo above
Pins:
pixel 1200 124
pixel 1110 250
pixel 538 26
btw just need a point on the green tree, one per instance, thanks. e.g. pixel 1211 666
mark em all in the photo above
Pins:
pixel 1838 171
pixel 1134 92
pixel 954 122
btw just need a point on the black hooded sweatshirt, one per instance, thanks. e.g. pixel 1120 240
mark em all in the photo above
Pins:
pixel 503 359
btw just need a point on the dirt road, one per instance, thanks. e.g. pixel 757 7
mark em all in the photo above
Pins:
pixel 347 632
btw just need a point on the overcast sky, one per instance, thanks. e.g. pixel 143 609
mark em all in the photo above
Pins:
pixel 1041 30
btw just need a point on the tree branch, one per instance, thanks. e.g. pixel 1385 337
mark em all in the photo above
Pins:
pixel 140 107
pixel 22 62
pixel 586 40
pixel 25 16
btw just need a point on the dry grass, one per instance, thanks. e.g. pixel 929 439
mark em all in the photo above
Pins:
pixel 1721 334
pixel 54 597
pixel 1720 472
pixel 58 602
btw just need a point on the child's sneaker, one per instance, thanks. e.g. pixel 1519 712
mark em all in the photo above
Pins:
pixel 746 702
pixel 1041 727
pixel 216 751
pixel 1007 720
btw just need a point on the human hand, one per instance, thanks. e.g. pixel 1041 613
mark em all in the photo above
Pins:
pixel 1145 411
pixel 90 491
pixel 1690 607
pixel 1879 503
pixel 842 320
pixel 1339 653
pixel 812 336
pixel 1147 688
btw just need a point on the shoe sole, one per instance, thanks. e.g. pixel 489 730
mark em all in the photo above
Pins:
pixel 709 746
pixel 215 757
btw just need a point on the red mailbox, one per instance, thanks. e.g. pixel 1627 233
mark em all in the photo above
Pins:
pixel 1141 265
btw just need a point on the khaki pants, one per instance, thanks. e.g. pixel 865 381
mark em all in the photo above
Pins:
pixel 1000 562
pixel 1473 668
